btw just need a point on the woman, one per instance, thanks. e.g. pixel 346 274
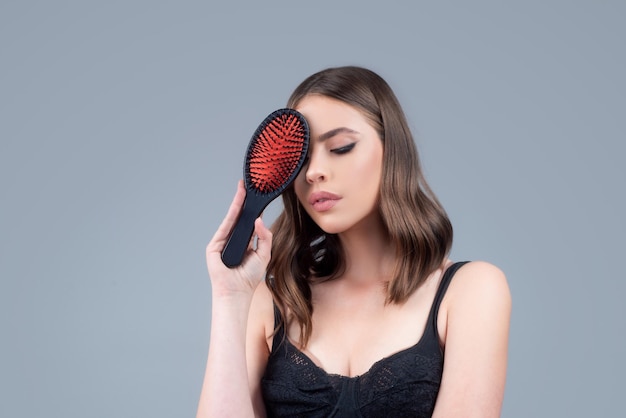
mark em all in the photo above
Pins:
pixel 359 315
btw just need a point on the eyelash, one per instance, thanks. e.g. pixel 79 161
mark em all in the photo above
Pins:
pixel 343 150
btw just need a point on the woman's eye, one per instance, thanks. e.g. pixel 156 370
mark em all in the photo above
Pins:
pixel 343 150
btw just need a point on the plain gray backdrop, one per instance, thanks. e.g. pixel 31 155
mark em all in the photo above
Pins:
pixel 123 126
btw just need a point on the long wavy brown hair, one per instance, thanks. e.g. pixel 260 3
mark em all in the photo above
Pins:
pixel 417 224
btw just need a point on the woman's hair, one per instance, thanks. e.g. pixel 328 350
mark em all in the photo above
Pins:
pixel 414 219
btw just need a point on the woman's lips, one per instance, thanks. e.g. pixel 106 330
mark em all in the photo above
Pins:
pixel 323 201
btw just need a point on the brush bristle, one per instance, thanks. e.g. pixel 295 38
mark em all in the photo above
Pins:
pixel 276 152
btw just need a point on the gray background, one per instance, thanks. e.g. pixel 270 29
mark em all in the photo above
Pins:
pixel 123 128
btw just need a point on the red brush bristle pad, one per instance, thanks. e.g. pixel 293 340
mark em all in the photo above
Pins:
pixel 276 152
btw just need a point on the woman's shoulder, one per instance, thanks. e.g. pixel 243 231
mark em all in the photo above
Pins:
pixel 478 283
pixel 262 309
pixel 263 293
pixel 479 274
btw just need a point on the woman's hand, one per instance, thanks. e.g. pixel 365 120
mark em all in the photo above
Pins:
pixel 245 277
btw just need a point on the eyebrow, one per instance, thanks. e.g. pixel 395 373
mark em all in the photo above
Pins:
pixel 336 131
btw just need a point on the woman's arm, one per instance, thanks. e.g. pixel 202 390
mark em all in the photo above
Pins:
pixel 477 310
pixel 226 391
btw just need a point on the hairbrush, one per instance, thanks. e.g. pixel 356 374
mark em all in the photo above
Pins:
pixel 273 159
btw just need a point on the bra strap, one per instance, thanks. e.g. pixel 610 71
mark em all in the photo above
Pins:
pixel 279 329
pixel 441 291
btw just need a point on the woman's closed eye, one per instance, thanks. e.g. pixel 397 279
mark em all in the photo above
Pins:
pixel 343 150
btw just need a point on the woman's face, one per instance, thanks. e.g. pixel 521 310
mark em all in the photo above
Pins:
pixel 339 186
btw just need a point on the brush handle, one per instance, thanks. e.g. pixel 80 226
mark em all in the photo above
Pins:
pixel 240 236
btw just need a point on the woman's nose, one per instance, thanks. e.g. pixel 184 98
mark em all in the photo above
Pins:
pixel 315 170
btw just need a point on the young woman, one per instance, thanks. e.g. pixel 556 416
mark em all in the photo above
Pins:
pixel 361 313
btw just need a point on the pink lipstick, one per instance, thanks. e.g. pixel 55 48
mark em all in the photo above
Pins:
pixel 323 201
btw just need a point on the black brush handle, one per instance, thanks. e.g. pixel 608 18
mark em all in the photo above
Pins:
pixel 240 236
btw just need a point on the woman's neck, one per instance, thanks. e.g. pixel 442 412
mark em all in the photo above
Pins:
pixel 370 255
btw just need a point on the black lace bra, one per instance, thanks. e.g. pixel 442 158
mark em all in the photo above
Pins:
pixel 404 384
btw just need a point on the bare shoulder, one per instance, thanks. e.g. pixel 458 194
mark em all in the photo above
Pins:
pixel 477 282
pixel 261 315
pixel 262 294
pixel 478 295
pixel 262 308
